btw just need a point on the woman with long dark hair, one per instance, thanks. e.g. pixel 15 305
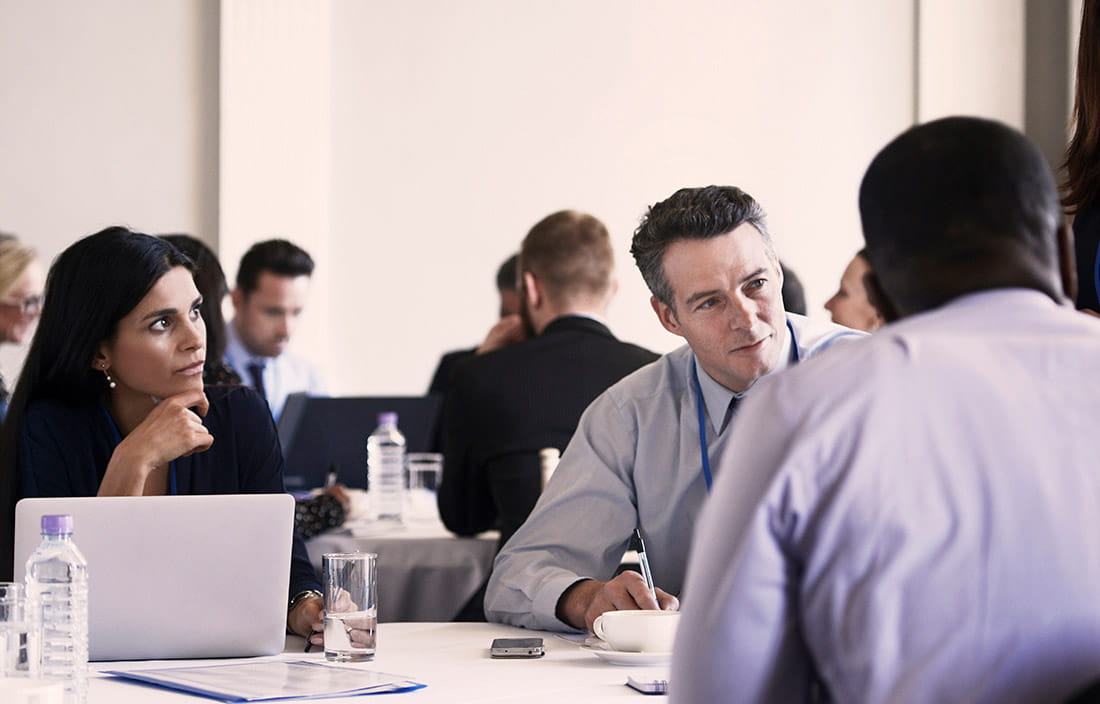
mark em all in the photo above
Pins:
pixel 111 401
pixel 1081 189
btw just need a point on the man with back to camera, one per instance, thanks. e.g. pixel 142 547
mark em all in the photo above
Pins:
pixel 272 286
pixel 636 459
pixel 503 407
pixel 930 534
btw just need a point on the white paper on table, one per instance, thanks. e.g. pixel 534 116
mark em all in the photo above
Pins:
pixel 271 680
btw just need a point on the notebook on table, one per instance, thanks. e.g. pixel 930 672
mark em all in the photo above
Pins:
pixel 176 576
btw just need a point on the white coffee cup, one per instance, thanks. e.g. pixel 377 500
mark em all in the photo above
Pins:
pixel 638 631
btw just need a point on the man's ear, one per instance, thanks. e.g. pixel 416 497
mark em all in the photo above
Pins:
pixel 878 297
pixel 666 315
pixel 237 297
pixel 1067 262
pixel 531 291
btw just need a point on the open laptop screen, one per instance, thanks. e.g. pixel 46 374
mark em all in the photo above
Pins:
pixel 176 576
pixel 317 432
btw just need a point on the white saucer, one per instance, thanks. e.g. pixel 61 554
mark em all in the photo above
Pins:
pixel 624 657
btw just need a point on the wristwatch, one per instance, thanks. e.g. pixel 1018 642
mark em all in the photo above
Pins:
pixel 302 595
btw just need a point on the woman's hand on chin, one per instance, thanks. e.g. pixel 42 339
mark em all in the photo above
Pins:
pixel 170 430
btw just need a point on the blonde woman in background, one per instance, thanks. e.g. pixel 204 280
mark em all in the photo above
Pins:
pixel 21 280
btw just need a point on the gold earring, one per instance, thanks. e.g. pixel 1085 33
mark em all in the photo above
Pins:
pixel 110 382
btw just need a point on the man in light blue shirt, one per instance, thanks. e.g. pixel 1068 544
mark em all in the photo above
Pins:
pixel 272 284
pixel 640 456
pixel 921 523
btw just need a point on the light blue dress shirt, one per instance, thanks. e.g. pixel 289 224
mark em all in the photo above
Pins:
pixel 283 375
pixel 914 518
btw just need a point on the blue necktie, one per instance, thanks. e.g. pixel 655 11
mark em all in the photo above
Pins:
pixel 256 371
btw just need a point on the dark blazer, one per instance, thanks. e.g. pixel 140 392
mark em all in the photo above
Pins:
pixel 504 406
pixel 64 450
pixel 445 371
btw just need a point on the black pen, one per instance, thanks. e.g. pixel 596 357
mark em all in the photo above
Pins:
pixel 309 639
pixel 643 561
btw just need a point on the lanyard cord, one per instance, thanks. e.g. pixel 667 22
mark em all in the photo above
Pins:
pixel 701 411
pixel 702 426
pixel 172 488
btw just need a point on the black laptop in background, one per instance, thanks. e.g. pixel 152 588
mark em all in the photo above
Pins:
pixel 317 432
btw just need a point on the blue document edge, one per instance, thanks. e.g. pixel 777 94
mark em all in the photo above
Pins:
pixel 164 677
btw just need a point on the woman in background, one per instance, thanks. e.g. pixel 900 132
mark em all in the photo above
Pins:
pixel 20 298
pixel 111 401
pixel 1081 189
pixel 850 305
pixel 210 280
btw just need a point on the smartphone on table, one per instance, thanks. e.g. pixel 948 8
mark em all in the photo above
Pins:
pixel 516 648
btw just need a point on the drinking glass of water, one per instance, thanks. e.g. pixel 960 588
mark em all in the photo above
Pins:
pixel 15 631
pixel 351 610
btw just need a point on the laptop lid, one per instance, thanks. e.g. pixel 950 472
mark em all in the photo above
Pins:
pixel 176 576
pixel 317 432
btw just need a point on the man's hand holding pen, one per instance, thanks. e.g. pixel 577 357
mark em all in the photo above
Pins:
pixel 586 599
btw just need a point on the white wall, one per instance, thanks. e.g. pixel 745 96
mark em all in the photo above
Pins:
pixel 458 125
pixel 109 116
pixel 454 126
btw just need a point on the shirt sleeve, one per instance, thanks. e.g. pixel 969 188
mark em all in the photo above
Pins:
pixel 579 528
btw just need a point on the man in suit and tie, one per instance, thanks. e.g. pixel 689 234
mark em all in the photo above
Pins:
pixel 272 284
pixel 504 406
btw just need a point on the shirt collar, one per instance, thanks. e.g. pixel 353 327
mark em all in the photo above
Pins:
pixel 717 398
pixel 236 354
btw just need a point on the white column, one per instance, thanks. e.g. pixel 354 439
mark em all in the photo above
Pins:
pixel 971 59
pixel 275 151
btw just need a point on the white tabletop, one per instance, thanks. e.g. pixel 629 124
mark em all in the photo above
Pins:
pixel 424 572
pixel 452 659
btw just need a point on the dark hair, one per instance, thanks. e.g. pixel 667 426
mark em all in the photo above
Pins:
pixel 210 281
pixel 570 253
pixel 508 273
pixel 959 205
pixel 691 214
pixel 1082 160
pixel 90 287
pixel 275 256
pixel 794 295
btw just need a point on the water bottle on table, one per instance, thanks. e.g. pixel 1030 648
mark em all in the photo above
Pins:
pixel 57 597
pixel 386 469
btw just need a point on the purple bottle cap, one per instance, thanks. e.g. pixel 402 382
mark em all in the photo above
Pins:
pixel 57 525
pixel 387 418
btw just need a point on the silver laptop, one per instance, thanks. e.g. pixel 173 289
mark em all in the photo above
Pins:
pixel 176 576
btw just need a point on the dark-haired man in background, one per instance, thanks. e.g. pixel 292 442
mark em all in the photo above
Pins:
pixel 640 456
pixel 507 330
pixel 920 522
pixel 272 286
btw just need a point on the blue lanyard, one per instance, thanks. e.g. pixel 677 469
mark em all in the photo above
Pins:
pixel 172 488
pixel 702 414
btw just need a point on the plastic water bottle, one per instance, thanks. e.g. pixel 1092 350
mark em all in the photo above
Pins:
pixel 386 468
pixel 57 595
